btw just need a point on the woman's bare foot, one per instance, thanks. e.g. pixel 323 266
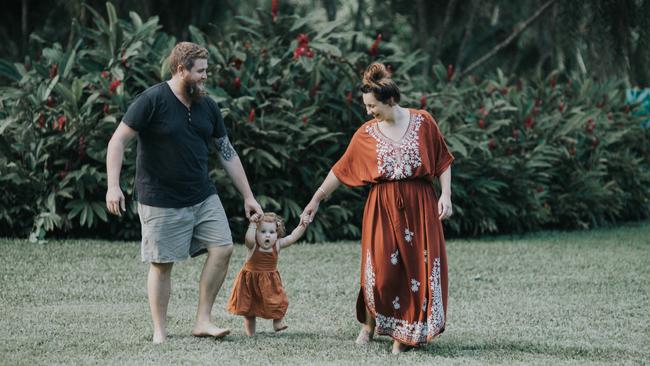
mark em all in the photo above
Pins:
pixel 278 325
pixel 365 335
pixel 249 325
pixel 209 330
pixel 400 347
pixel 159 337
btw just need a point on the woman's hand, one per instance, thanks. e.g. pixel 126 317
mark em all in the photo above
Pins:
pixel 444 207
pixel 307 215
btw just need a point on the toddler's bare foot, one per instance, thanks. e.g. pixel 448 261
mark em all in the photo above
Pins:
pixel 278 325
pixel 249 325
pixel 364 337
pixel 209 330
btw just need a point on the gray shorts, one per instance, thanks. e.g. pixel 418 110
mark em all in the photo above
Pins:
pixel 174 234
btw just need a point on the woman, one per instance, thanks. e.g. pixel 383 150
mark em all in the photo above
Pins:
pixel 399 152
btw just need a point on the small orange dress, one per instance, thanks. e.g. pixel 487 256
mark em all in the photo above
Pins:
pixel 258 289
pixel 403 257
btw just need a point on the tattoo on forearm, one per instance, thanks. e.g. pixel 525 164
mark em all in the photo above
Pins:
pixel 225 148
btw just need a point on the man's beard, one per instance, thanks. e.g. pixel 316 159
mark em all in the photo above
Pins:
pixel 194 90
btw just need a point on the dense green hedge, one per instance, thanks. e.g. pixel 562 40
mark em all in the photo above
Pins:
pixel 557 151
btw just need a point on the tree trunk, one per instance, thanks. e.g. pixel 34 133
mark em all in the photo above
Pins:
pixel 469 27
pixel 423 34
pixel 442 32
pixel 357 22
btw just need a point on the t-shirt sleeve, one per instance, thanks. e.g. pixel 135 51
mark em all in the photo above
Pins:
pixel 352 169
pixel 219 129
pixel 438 148
pixel 140 112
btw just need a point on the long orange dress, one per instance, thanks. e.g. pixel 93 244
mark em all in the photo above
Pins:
pixel 258 289
pixel 403 259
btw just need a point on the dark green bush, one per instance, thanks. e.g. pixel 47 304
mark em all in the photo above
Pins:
pixel 560 151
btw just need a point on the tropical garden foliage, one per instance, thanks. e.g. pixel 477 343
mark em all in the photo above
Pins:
pixel 552 150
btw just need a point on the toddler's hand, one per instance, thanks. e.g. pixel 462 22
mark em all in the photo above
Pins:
pixel 255 218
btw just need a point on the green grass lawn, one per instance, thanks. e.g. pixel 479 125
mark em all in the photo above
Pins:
pixel 547 299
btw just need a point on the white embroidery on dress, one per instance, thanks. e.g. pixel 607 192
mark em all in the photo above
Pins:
pixel 398 160
pixel 415 285
pixel 408 235
pixel 393 257
pixel 396 303
pixel 417 332
pixel 369 275
pixel 437 309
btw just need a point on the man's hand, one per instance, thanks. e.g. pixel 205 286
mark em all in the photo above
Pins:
pixel 252 207
pixel 115 202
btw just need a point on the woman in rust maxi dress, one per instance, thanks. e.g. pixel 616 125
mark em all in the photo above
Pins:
pixel 403 261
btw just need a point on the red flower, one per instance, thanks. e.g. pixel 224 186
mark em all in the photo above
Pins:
pixel 595 142
pixel 450 72
pixel 251 115
pixel 491 144
pixel 481 123
pixel 529 122
pixel 50 101
pixel 41 121
pixel 553 82
pixel 423 101
pixel 274 9
pixel 590 126
pixel 238 63
pixel 104 74
pixel 304 120
pixel 505 90
pixel 236 83
pixel 373 51
pixel 483 111
pixel 60 123
pixel 349 97
pixel 600 104
pixel 303 39
pixel 114 85
pixel 561 107
pixel 81 152
pixel 106 108
pixel 54 70
pixel 313 90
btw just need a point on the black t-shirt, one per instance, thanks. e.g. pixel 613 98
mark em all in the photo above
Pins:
pixel 173 145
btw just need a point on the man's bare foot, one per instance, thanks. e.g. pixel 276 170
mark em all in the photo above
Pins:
pixel 158 337
pixel 249 325
pixel 364 337
pixel 400 347
pixel 209 330
pixel 278 325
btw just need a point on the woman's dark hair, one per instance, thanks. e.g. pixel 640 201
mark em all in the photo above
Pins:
pixel 376 80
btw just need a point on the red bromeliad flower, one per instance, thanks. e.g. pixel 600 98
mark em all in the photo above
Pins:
pixel 114 85
pixel 553 82
pixel 483 111
pixel 238 63
pixel 236 83
pixel 349 97
pixel 305 120
pixel 251 115
pixel 104 74
pixel 303 48
pixel 41 121
pixel 481 123
pixel 423 101
pixel 59 124
pixel 590 126
pixel 54 70
pixel 450 72
pixel 274 9
pixel 374 48
pixel 50 101
pixel 106 108
pixel 491 144
pixel 529 122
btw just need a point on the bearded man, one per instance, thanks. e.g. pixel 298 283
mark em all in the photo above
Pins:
pixel 180 211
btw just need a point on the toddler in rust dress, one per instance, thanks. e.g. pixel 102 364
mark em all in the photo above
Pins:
pixel 257 291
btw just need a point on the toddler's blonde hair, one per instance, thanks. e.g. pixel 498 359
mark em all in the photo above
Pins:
pixel 279 222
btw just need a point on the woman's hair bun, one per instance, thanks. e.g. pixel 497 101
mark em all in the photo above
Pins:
pixel 375 73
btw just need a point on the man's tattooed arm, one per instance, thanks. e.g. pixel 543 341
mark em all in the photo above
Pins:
pixel 225 148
